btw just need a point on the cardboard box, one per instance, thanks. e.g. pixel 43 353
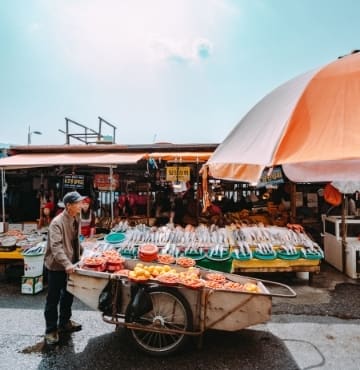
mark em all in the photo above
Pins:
pixel 3 227
pixel 31 285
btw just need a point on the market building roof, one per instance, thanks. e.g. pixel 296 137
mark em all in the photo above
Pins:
pixel 28 156
pixel 140 148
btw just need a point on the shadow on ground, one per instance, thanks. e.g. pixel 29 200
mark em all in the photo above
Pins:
pixel 221 350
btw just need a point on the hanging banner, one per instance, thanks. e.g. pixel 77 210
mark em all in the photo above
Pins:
pixel 74 181
pixel 102 181
pixel 175 173
pixel 271 178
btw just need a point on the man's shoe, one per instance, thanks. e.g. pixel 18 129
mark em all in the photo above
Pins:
pixel 70 327
pixel 52 338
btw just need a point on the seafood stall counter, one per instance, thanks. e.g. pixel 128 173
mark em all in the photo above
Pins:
pixel 234 248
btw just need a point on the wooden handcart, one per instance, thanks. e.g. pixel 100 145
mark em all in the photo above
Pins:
pixel 160 318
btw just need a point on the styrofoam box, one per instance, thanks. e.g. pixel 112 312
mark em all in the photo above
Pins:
pixel 29 227
pixel 352 269
pixel 18 227
pixel 31 285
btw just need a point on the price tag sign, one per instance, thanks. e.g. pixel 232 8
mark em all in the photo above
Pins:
pixel 74 181
pixel 273 177
pixel 102 182
pixel 175 173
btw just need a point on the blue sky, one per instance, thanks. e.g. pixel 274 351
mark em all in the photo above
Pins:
pixel 180 71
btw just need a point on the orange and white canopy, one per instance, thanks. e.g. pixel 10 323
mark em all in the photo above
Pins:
pixel 310 125
pixel 180 156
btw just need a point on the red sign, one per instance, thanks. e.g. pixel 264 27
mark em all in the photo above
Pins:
pixel 102 182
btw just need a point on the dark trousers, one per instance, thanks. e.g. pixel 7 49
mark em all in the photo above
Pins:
pixel 57 293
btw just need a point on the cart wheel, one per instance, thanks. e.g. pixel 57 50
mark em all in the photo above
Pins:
pixel 170 311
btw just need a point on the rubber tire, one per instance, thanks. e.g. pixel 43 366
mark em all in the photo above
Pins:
pixel 183 340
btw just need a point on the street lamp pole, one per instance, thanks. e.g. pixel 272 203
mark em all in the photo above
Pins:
pixel 30 133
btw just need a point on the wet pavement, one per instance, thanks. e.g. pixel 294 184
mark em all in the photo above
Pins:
pixel 330 293
pixel 304 332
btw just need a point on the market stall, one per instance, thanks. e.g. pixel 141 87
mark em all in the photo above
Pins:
pixel 37 176
pixel 234 248
pixel 25 233
pixel 15 244
pixel 349 262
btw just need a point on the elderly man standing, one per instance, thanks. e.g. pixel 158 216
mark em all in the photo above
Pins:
pixel 62 252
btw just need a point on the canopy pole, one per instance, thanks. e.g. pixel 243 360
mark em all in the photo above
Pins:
pixel 3 196
pixel 206 196
pixel 344 207
pixel 292 202
pixel 197 189
pixel 111 195
pixel 148 204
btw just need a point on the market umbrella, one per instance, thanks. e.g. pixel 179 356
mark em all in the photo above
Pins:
pixel 347 187
pixel 310 125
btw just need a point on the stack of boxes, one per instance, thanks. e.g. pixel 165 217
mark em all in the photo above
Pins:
pixel 32 280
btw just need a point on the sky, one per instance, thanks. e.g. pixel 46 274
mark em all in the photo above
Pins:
pixel 178 71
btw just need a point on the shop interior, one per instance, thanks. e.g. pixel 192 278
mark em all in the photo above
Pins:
pixel 140 192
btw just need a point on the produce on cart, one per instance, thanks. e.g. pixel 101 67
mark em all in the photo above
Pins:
pixel 162 305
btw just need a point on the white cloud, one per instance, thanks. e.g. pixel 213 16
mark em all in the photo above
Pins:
pixel 181 51
pixel 203 48
pixel 103 35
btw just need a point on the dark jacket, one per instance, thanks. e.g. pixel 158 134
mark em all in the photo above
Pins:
pixel 62 238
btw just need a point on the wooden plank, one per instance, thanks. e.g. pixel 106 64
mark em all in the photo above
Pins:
pixel 232 311
pixel 87 288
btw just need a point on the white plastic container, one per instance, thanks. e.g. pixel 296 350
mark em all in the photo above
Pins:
pixel 353 259
pixel 303 275
pixel 33 265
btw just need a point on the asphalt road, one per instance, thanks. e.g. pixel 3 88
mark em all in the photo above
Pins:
pixel 317 330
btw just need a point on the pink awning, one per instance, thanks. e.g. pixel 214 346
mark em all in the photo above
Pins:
pixel 29 160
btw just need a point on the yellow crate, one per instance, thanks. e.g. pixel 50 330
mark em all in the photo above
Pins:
pixel 276 263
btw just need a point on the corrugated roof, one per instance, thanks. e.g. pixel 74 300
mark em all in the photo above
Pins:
pixel 108 148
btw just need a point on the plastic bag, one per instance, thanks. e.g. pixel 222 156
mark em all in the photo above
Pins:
pixel 140 304
pixel 107 305
pixel 332 195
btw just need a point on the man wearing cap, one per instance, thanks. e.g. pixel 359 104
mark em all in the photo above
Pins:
pixel 62 252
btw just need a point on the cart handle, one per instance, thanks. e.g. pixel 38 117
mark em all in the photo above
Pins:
pixel 269 282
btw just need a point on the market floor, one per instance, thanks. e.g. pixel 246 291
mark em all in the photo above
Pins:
pixel 317 329
pixel 330 293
